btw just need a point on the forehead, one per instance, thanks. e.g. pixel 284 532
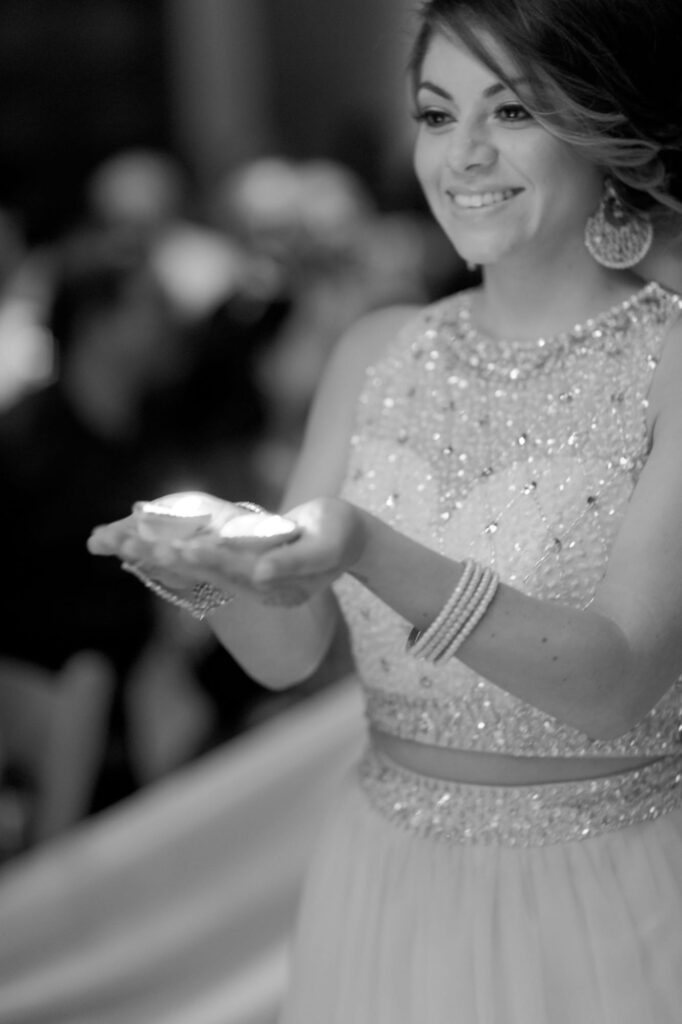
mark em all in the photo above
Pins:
pixel 449 59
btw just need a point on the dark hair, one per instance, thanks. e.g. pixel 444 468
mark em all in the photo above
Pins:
pixel 604 77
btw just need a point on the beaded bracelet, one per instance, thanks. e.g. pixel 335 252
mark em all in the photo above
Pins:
pixel 204 598
pixel 421 642
pixel 480 607
pixel 459 616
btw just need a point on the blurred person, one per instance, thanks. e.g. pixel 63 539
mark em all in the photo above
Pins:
pixel 223 403
pixel 89 443
pixel 26 357
pixel 143 196
pixel 489 492
pixel 141 401
pixel 324 248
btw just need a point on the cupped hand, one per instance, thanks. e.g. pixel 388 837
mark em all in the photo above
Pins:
pixel 156 556
pixel 331 539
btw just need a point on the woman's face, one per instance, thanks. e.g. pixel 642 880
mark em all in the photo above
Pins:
pixel 495 179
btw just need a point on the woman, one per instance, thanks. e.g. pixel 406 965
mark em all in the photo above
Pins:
pixel 493 486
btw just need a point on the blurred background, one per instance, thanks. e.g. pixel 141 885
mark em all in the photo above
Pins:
pixel 197 197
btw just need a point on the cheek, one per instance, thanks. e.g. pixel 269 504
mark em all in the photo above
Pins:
pixel 424 162
pixel 569 198
pixel 570 184
pixel 418 163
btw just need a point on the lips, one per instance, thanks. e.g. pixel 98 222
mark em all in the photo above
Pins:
pixel 482 200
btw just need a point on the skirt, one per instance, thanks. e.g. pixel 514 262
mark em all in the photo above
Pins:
pixel 406 921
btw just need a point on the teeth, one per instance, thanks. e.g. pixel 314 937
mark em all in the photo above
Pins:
pixel 474 202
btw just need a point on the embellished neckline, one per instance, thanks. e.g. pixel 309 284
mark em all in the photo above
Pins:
pixel 518 359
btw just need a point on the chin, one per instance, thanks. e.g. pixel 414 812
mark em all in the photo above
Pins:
pixel 481 255
pixel 483 251
pixel 477 247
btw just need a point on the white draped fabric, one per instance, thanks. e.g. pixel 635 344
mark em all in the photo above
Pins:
pixel 176 906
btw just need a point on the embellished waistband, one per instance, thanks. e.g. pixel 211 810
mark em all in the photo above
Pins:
pixel 478 721
pixel 534 815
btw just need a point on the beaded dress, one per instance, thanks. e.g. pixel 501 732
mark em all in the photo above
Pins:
pixel 547 904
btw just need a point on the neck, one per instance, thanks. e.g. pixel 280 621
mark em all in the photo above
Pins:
pixel 526 297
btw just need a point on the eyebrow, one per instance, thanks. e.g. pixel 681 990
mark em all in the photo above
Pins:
pixel 492 90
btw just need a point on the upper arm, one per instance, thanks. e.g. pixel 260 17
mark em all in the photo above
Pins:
pixel 642 588
pixel 321 465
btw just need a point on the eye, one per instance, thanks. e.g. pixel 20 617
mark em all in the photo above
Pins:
pixel 513 113
pixel 432 117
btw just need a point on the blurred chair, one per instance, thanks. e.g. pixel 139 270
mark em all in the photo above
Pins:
pixel 53 728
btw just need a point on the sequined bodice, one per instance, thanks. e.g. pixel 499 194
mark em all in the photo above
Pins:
pixel 523 456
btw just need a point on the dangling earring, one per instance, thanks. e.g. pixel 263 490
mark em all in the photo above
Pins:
pixel 615 236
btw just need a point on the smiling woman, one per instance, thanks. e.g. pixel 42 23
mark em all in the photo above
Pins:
pixel 607 94
pixel 490 494
pixel 494 177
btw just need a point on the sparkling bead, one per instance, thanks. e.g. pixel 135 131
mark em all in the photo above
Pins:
pixel 518 815
pixel 449 468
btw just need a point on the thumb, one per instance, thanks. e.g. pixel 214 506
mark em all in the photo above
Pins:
pixel 277 563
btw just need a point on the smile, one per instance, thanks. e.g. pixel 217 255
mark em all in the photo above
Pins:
pixel 481 200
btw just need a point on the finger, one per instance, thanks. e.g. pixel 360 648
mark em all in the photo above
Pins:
pixel 132 549
pixel 106 538
pixel 99 543
pixel 103 541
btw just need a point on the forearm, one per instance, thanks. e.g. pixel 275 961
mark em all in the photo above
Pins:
pixel 277 646
pixel 576 665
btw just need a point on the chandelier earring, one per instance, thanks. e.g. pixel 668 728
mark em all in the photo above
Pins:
pixel 615 236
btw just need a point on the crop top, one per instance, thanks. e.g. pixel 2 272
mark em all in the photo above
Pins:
pixel 523 456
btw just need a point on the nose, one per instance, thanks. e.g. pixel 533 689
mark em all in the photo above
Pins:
pixel 470 149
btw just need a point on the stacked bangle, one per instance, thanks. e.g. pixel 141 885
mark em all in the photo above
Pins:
pixel 459 616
